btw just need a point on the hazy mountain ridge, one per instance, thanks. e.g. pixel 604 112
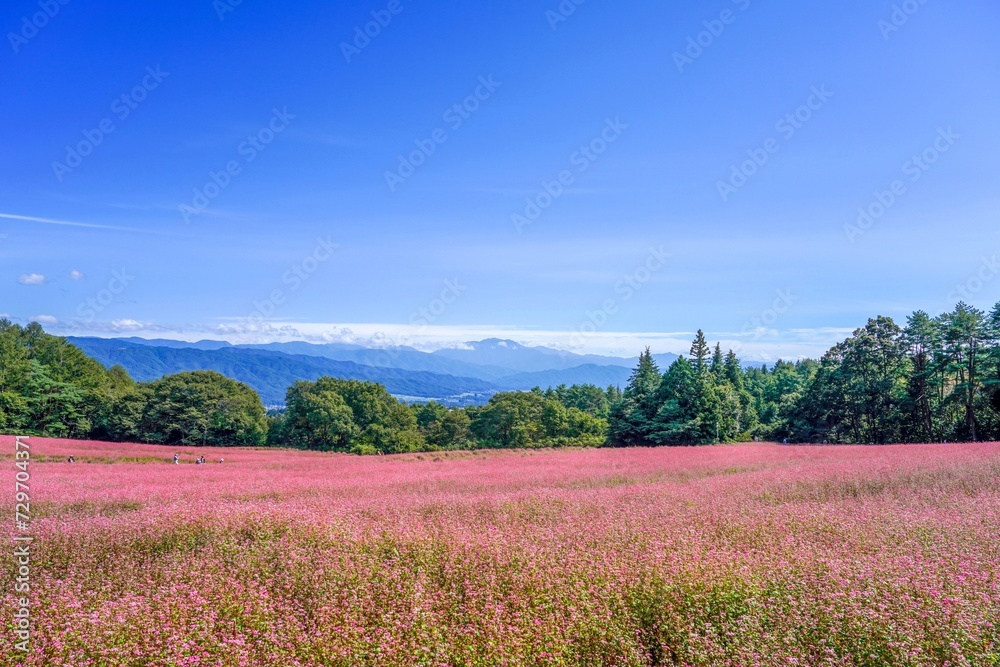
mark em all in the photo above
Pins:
pixel 402 357
pixel 405 371
pixel 271 373
pixel 524 359
pixel 488 359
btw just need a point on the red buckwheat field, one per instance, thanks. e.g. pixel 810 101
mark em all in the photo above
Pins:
pixel 726 555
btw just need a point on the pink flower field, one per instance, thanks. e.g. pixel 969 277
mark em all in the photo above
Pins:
pixel 727 555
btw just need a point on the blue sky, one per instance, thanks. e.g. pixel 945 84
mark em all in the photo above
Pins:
pixel 634 126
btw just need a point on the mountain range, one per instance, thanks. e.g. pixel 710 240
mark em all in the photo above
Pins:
pixel 469 374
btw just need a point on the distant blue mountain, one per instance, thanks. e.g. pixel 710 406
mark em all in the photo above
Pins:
pixel 271 373
pixel 466 375
pixel 406 358
pixel 167 342
pixel 520 358
pixel 489 359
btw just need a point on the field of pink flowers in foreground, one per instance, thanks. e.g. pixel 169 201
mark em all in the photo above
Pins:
pixel 730 555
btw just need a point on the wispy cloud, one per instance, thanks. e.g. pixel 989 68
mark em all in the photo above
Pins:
pixel 225 214
pixel 77 275
pixel 65 223
pixel 31 279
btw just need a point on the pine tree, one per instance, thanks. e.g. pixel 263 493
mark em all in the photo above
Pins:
pixel 676 420
pixel 921 337
pixel 699 352
pixel 692 401
pixel 732 371
pixel 965 335
pixel 631 418
pixel 717 361
pixel 734 376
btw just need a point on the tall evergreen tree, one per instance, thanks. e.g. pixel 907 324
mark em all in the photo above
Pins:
pixel 818 411
pixel 631 417
pixel 733 375
pixel 921 339
pixel 732 371
pixel 874 362
pixel 699 352
pixel 676 419
pixel 718 363
pixel 964 335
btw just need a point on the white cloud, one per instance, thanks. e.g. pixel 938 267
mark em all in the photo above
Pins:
pixel 45 319
pixel 31 279
pixel 103 328
pixel 127 325
pixel 77 275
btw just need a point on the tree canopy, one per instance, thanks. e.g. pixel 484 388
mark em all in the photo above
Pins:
pixel 202 408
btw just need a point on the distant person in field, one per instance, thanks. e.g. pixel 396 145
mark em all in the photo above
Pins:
pixel 177 459
pixel 71 460
pixel 222 460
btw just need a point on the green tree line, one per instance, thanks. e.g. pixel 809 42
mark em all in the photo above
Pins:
pixel 935 379
pixel 50 387
pixel 931 380
pixel 362 417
